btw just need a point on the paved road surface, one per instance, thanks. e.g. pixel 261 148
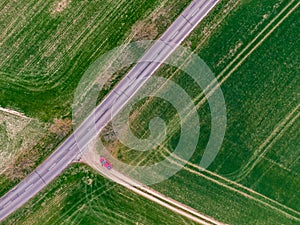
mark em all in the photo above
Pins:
pixel 119 96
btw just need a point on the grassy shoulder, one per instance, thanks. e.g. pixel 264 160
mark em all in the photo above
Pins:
pixel 36 141
pixel 82 196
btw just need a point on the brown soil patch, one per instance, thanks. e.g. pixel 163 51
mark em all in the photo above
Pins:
pixel 18 134
pixel 21 165
pixel 61 127
pixel 143 31
pixel 61 6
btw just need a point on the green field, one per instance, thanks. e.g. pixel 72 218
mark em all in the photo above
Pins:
pixel 252 48
pixel 81 196
pixel 45 51
pixel 43 54
pixel 254 55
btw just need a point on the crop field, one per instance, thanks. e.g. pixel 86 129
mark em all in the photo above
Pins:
pixel 46 50
pixel 252 48
pixel 81 196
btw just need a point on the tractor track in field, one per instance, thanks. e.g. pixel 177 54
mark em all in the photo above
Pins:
pixel 202 98
pixel 220 79
pixel 234 186
pixel 263 149
pixel 255 43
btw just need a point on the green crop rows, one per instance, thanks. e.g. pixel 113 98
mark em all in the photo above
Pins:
pixel 81 196
pixel 44 53
pixel 252 48
pixel 253 53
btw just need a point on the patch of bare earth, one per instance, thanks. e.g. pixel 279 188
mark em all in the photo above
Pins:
pixel 90 155
pixel 60 6
pixel 148 29
pixel 35 138
pixel 61 127
pixel 144 31
pixel 17 134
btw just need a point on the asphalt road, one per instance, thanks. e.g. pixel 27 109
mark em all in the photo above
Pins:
pixel 119 96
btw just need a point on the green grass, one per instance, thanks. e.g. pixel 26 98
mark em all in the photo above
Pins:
pixel 82 196
pixel 44 54
pixel 284 152
pixel 260 97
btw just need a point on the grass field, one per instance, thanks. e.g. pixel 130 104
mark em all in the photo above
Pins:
pixel 44 53
pixel 254 55
pixel 81 196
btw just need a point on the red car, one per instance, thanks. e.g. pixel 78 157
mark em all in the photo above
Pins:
pixel 105 163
